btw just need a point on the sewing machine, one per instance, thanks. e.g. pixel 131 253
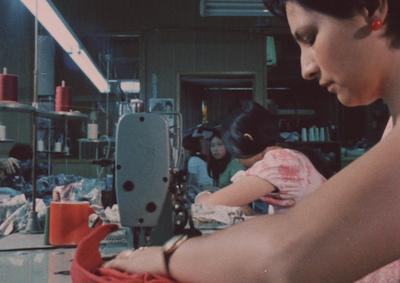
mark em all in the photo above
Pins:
pixel 149 186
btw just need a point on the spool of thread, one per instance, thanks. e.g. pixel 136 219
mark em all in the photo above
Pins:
pixel 322 134
pixel 40 145
pixel 137 105
pixel 92 132
pixel 304 135
pixel 316 134
pixel 66 149
pixel 8 86
pixel 63 98
pixel 311 133
pixel 57 147
pixel 327 136
pixel 2 132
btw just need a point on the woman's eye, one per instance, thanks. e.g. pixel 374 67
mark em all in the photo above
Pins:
pixel 309 39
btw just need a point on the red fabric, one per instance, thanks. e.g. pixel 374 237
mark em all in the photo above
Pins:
pixel 86 266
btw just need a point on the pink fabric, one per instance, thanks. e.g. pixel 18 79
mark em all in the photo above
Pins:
pixel 290 171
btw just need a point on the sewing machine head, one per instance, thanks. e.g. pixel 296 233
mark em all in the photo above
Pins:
pixel 142 168
pixel 149 187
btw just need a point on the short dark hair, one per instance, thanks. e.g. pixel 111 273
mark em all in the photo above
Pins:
pixel 343 9
pixel 192 144
pixel 253 128
pixel 21 151
pixel 250 130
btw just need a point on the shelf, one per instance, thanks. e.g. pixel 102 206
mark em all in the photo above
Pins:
pixel 75 115
pixel 61 114
pixel 300 112
pixel 57 153
pixel 95 140
pixel 20 107
pixel 16 106
pixel 7 141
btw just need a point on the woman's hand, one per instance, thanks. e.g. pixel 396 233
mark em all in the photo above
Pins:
pixel 274 201
pixel 202 197
pixel 9 165
pixel 142 260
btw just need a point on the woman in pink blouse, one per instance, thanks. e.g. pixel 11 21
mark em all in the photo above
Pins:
pixel 277 175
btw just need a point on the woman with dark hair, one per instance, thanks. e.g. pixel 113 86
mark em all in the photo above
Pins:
pixel 221 166
pixel 277 175
pixel 350 226
pixel 197 176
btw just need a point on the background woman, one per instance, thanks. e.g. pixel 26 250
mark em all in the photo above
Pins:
pixel 273 172
pixel 221 166
pixel 197 174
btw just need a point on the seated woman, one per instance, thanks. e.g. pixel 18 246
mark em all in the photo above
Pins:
pixel 221 166
pixel 8 166
pixel 277 175
pixel 197 175
pixel 19 164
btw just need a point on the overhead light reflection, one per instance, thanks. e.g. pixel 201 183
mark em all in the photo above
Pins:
pixel 54 23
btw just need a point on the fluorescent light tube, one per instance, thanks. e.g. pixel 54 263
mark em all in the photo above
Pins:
pixel 81 58
pixel 237 8
pixel 54 23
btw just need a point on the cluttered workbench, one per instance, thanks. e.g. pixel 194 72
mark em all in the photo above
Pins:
pixel 147 216
pixel 148 211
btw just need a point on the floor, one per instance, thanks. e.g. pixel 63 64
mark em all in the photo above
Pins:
pixel 24 258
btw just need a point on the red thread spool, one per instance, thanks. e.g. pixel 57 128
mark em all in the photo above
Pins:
pixel 63 98
pixel 8 86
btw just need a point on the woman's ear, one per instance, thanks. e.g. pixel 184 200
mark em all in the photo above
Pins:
pixel 380 12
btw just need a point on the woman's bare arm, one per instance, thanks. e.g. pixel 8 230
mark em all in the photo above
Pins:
pixel 341 232
pixel 240 193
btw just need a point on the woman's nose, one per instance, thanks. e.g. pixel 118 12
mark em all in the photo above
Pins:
pixel 309 67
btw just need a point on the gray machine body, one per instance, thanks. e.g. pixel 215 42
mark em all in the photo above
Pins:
pixel 142 168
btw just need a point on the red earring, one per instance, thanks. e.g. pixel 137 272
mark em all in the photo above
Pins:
pixel 376 24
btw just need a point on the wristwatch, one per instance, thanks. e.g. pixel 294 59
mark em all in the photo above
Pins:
pixel 170 247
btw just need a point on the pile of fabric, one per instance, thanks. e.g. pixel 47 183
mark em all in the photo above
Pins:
pixel 15 205
pixel 214 217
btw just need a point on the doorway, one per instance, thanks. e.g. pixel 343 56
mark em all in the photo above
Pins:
pixel 209 98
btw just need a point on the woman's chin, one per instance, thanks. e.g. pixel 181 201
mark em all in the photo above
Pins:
pixel 353 99
pixel 347 100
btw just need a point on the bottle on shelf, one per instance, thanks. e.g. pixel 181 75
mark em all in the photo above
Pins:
pixel 3 135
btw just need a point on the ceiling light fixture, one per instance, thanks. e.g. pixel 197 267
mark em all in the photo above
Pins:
pixel 130 86
pixel 235 8
pixel 54 23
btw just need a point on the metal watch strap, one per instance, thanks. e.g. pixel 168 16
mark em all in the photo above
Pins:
pixel 170 247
